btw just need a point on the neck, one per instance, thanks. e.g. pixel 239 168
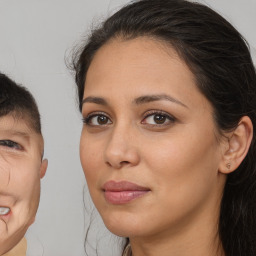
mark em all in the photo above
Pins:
pixel 176 248
pixel 195 238
pixel 19 250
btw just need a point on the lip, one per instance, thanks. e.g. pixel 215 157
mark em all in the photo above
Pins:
pixel 6 216
pixel 123 192
pixel 7 201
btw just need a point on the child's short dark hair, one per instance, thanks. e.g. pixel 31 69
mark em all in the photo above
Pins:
pixel 19 102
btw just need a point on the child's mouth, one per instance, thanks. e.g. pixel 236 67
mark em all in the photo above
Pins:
pixel 4 210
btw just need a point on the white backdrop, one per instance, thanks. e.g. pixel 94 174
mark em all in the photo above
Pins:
pixel 35 35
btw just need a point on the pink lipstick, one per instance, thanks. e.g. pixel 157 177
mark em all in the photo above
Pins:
pixel 123 192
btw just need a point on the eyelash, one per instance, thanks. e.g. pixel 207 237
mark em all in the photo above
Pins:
pixel 161 113
pixel 89 118
pixel 10 144
pixel 148 114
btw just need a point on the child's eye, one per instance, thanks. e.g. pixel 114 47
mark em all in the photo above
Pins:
pixel 158 119
pixel 10 144
pixel 97 120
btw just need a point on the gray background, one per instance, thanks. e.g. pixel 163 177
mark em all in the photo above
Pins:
pixel 35 35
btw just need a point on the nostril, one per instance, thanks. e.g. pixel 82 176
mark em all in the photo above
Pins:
pixel 124 162
pixel 119 165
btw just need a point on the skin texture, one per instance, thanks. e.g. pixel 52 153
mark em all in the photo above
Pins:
pixel 21 168
pixel 182 161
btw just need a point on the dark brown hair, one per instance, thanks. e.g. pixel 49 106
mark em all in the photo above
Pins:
pixel 19 102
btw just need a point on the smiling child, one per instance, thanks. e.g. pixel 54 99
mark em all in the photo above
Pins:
pixel 21 164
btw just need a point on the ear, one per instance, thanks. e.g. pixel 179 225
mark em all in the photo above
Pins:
pixel 43 168
pixel 237 146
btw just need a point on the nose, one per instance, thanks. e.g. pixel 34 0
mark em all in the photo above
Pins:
pixel 121 149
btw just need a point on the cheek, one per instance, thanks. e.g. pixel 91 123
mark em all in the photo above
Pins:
pixel 183 171
pixel 26 179
pixel 91 159
pixel 182 163
pixel 20 176
pixel 4 174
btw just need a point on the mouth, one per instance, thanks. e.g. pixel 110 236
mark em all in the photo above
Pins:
pixel 123 192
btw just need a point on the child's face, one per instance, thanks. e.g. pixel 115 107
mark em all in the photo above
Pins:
pixel 21 168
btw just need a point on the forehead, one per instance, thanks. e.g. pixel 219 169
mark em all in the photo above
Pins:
pixel 124 61
pixel 141 52
pixel 140 66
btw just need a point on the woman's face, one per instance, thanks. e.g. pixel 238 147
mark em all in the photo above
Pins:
pixel 149 147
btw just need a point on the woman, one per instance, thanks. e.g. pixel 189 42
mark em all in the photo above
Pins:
pixel 167 90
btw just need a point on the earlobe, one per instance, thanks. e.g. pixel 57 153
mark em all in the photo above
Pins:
pixel 43 168
pixel 238 142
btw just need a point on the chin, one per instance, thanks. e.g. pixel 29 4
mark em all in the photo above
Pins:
pixel 122 231
pixel 123 224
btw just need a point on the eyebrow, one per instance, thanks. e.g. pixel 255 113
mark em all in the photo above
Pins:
pixel 15 133
pixel 19 133
pixel 96 100
pixel 140 100
pixel 151 98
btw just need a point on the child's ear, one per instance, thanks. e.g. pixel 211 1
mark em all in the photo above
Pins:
pixel 43 168
pixel 237 146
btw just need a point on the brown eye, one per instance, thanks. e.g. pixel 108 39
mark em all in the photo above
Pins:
pixel 102 120
pixel 97 120
pixel 159 119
